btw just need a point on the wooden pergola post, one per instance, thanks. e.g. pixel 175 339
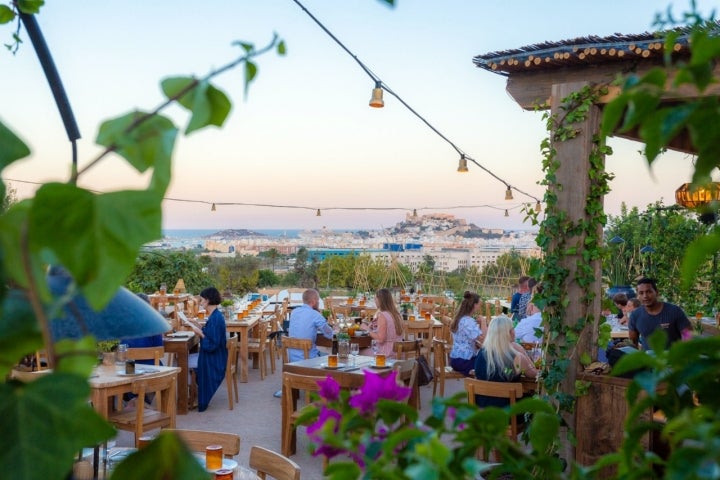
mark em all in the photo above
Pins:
pixel 573 188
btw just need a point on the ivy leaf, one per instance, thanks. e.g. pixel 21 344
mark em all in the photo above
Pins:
pixel 30 6
pixel 76 356
pixel 543 430
pixel 96 237
pixel 7 14
pixel 281 48
pixel 149 143
pixel 33 414
pixel 165 457
pixel 248 47
pixel 12 147
pixel 696 254
pixel 659 129
pixel 209 105
pixel 633 361
pixel 12 225
pixel 19 332
pixel 250 73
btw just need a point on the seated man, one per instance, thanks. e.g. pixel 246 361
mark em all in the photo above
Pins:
pixel 305 322
pixel 526 329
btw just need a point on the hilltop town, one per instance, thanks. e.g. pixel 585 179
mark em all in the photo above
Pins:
pixel 451 242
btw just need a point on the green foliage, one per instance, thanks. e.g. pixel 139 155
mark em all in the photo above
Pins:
pixel 237 275
pixel 97 238
pixel 267 278
pixel 153 268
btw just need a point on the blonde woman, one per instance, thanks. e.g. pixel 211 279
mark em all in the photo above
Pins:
pixel 501 359
pixel 387 327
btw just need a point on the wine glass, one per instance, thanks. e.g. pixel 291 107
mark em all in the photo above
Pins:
pixel 354 351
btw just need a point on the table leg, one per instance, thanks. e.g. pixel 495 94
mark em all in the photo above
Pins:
pixel 243 354
pixel 182 383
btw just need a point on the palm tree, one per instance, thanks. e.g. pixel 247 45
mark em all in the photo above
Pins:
pixel 273 255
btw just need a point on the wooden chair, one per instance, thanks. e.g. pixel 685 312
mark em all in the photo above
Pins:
pixel 197 440
pixel 146 353
pixel 407 349
pixel 260 346
pixel 231 371
pixel 292 385
pixel 407 376
pixel 420 330
pixel 442 371
pixel 511 391
pixel 304 344
pixel 143 418
pixel 266 462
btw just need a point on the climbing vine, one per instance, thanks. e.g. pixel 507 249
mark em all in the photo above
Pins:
pixel 558 237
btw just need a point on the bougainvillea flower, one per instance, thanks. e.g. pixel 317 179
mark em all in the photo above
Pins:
pixel 326 415
pixel 378 388
pixel 329 389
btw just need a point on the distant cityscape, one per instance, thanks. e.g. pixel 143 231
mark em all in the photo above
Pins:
pixel 451 242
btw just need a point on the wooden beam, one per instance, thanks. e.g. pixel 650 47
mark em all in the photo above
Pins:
pixel 532 89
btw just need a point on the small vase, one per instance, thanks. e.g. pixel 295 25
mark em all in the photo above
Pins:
pixel 108 358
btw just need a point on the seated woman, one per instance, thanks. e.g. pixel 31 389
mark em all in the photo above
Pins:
pixel 210 363
pixel 466 334
pixel 387 327
pixel 501 360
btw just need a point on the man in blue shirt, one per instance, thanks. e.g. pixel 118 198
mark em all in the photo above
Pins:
pixel 655 314
pixel 305 322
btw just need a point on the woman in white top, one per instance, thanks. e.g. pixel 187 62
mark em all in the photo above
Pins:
pixel 466 334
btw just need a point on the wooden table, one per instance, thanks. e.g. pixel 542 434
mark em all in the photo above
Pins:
pixel 363 340
pixel 181 346
pixel 106 383
pixel 347 377
pixel 243 329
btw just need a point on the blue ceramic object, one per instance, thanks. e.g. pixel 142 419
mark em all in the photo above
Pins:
pixel 626 289
pixel 126 316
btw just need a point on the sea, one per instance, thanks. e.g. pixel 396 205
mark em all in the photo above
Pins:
pixel 198 233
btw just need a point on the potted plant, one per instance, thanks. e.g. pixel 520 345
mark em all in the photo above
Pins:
pixel 106 350
pixel 619 269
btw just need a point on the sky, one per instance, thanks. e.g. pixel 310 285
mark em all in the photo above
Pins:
pixel 305 135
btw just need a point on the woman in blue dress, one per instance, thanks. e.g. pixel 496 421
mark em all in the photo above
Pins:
pixel 212 359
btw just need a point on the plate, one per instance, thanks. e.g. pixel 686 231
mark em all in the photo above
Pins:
pixel 180 334
pixel 380 368
pixel 123 374
pixel 326 367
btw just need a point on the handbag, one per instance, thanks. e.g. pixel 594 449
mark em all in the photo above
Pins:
pixel 425 373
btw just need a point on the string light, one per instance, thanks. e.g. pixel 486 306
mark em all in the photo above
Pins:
pixel 376 100
pixel 462 166
pixel 508 193
pixel 383 86
pixel 538 207
pixel 214 205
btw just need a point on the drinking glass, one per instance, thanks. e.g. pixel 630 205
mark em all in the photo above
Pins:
pixel 121 357
pixel 374 346
pixel 354 351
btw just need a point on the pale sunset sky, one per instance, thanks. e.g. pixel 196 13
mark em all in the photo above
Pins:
pixel 306 136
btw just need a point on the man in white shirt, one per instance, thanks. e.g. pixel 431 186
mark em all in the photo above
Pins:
pixel 525 330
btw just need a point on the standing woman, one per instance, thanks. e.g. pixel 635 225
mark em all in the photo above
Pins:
pixel 388 326
pixel 501 359
pixel 211 361
pixel 466 334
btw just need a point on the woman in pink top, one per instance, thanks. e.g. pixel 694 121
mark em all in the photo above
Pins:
pixel 387 327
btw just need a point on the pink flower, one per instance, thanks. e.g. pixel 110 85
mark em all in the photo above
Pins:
pixel 326 416
pixel 329 389
pixel 378 388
